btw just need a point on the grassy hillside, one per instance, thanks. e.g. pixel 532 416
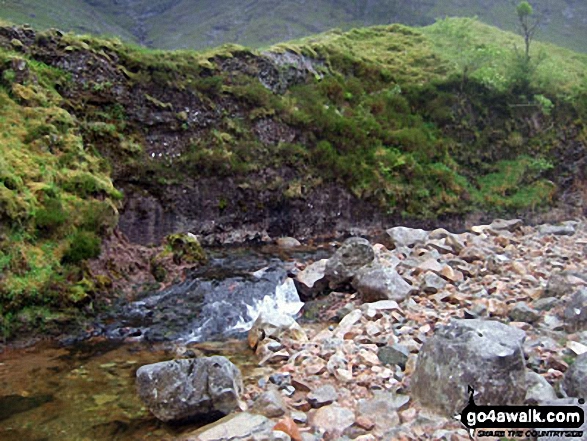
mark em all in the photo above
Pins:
pixel 177 24
pixel 422 124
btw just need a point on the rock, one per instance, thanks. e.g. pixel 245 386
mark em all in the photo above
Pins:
pixel 405 237
pixel 508 225
pixel 270 403
pixel 322 396
pixel 288 425
pixel 380 283
pixel 183 389
pixel 239 426
pixel 288 243
pixel 432 283
pixel 538 389
pixel 566 229
pixel 484 354
pixel 576 311
pixel 545 303
pixel 472 253
pixel 332 418
pixel 521 312
pixel 353 254
pixel 383 409
pixel 347 323
pixel 561 284
pixel 312 282
pixel 277 327
pixel 394 355
pixel 575 381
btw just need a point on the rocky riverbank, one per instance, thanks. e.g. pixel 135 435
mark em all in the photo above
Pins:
pixel 419 318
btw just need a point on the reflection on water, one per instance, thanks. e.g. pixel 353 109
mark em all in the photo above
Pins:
pixel 87 392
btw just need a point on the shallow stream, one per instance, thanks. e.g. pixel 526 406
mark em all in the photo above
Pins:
pixel 86 391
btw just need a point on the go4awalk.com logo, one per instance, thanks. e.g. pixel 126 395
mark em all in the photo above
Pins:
pixel 529 421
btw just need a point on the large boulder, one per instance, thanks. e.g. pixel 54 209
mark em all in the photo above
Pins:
pixel 376 283
pixel 484 354
pixel 179 390
pixel 575 381
pixel 353 254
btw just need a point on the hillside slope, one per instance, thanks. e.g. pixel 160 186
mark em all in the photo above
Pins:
pixel 314 137
pixel 175 24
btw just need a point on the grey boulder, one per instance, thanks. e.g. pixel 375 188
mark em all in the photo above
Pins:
pixel 376 283
pixel 484 354
pixel 353 254
pixel 185 389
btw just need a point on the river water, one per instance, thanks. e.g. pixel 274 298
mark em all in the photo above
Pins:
pixel 86 391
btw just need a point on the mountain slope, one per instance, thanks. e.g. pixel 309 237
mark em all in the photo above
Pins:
pixel 176 24
pixel 360 129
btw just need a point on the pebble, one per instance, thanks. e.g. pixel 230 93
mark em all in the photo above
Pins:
pixel 352 380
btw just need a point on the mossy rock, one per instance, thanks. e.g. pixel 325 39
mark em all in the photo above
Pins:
pixel 186 248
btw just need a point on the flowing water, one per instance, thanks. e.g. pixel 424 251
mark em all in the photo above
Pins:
pixel 86 391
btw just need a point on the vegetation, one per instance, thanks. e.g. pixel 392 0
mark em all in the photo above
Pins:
pixel 183 24
pixel 424 123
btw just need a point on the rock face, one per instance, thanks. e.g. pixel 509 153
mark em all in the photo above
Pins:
pixel 353 254
pixel 184 389
pixel 575 381
pixel 484 354
pixel 381 283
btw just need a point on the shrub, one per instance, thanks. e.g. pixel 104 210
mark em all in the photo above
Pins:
pixel 49 218
pixel 84 245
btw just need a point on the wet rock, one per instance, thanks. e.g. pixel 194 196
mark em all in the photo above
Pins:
pixel 183 389
pixel 381 283
pixel 333 418
pixel 275 327
pixel 406 237
pixel 521 312
pixel 288 243
pixel 394 355
pixel 240 426
pixel 353 254
pixel 576 311
pixel 485 354
pixel 270 403
pixel 312 282
pixel 575 381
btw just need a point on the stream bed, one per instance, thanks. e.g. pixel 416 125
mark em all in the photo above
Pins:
pixel 86 391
